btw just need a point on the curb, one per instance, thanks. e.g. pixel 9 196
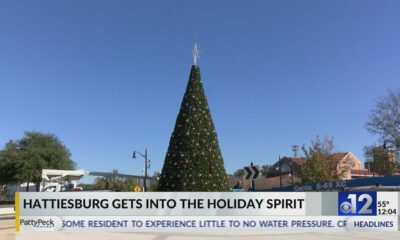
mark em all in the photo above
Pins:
pixel 7 217
pixel 7 211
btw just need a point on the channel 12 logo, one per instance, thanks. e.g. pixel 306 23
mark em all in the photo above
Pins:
pixel 357 204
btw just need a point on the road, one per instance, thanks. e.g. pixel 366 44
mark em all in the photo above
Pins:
pixel 7 228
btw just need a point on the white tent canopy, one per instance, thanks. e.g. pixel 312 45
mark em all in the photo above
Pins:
pixel 54 174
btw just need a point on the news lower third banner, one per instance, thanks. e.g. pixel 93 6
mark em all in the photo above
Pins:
pixel 203 212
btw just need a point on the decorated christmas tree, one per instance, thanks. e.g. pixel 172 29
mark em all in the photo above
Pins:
pixel 194 160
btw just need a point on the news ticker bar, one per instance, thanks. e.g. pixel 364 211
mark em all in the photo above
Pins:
pixel 374 210
pixel 209 224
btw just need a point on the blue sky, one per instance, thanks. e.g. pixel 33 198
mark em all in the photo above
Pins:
pixel 108 77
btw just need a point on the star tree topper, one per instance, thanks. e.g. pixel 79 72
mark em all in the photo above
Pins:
pixel 195 54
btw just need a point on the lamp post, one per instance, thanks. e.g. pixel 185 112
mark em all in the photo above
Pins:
pixel 291 170
pixel 295 149
pixel 252 180
pixel 146 165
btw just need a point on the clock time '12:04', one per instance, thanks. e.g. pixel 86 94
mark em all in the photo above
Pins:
pixel 382 210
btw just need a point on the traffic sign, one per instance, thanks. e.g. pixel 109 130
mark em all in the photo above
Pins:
pixel 251 172
pixel 137 188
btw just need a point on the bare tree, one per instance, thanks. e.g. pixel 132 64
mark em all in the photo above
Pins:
pixel 385 119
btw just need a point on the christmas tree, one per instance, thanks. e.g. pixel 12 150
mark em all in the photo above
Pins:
pixel 194 160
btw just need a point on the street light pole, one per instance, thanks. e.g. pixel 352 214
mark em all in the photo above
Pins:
pixel 295 148
pixel 146 165
pixel 252 180
pixel 145 170
pixel 280 171
pixel 291 170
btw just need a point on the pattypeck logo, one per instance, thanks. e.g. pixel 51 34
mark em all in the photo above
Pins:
pixel 38 223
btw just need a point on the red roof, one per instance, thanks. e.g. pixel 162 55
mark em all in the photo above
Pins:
pixel 338 156
pixel 361 172
pixel 335 156
pixel 300 160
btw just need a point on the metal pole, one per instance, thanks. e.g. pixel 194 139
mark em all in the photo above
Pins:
pixel 252 180
pixel 145 171
pixel 295 148
pixel 291 170
pixel 280 172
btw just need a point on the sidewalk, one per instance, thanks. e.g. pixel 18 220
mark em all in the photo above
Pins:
pixel 7 227
pixel 6 211
pixel 7 222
